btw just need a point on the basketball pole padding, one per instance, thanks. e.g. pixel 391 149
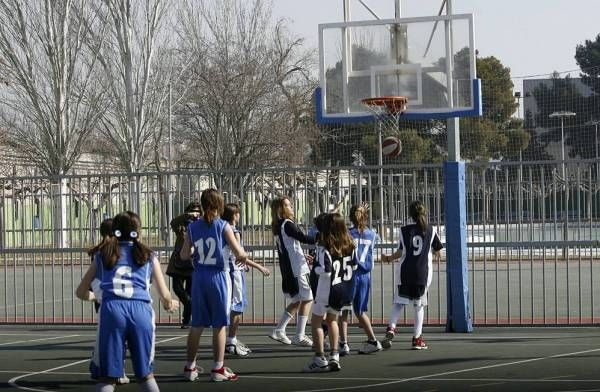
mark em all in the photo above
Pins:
pixel 457 272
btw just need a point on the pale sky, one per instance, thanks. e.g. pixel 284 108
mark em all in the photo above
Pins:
pixel 529 36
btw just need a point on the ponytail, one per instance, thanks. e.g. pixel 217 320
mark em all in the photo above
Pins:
pixel 212 204
pixel 359 217
pixel 418 213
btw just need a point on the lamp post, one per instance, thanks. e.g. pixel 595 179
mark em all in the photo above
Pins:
pixel 562 114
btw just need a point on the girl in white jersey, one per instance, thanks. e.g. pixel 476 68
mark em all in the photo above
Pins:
pixel 419 242
pixel 294 272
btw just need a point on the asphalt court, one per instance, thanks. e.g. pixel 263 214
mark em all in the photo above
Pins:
pixel 56 358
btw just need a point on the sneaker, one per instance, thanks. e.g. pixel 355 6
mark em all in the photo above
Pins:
pixel 317 365
pixel 223 374
pixel 334 362
pixel 419 343
pixel 302 341
pixel 386 343
pixel 185 326
pixel 123 380
pixel 190 374
pixel 280 336
pixel 344 349
pixel 237 349
pixel 370 347
pixel 243 346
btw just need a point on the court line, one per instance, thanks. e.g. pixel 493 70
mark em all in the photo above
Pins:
pixel 454 372
pixel 38 340
pixel 13 381
pixel 36 303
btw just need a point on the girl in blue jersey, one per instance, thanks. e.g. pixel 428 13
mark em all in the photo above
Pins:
pixel 231 214
pixel 211 285
pixel 334 264
pixel 419 242
pixel 364 240
pixel 125 267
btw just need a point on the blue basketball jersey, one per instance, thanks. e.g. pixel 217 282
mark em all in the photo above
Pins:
pixel 209 244
pixel 127 279
pixel 365 245
pixel 229 253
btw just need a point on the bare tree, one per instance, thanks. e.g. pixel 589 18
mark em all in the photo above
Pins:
pixel 50 100
pixel 249 86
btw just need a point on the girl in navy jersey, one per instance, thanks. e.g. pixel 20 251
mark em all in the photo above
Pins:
pixel 211 285
pixel 231 215
pixel 294 272
pixel 125 267
pixel 334 264
pixel 419 242
pixel 364 241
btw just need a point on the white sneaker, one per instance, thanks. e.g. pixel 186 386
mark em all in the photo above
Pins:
pixel 344 349
pixel 243 346
pixel 123 380
pixel 370 347
pixel 190 374
pixel 223 374
pixel 280 336
pixel 302 341
pixel 237 349
pixel 334 362
pixel 317 365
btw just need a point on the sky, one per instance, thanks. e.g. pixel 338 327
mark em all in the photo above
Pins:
pixel 531 37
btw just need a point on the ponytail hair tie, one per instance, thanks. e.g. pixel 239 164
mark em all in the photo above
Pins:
pixel 117 233
pixel 133 234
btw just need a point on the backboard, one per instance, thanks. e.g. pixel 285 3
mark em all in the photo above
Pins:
pixel 428 59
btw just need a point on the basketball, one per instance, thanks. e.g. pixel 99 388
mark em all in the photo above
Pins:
pixel 391 146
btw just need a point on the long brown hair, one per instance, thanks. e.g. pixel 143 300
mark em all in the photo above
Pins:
pixel 125 227
pixel 229 212
pixel 276 213
pixel 212 204
pixel 417 211
pixel 105 232
pixel 359 217
pixel 334 234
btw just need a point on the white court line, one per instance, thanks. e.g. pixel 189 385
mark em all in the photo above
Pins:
pixel 36 303
pixel 13 381
pixel 38 340
pixel 454 372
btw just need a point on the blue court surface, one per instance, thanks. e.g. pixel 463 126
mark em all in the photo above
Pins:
pixel 55 358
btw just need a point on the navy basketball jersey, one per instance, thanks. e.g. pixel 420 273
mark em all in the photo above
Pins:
pixel 365 245
pixel 341 269
pixel 127 279
pixel 415 262
pixel 208 243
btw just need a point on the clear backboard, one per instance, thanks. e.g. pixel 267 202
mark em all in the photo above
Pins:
pixel 428 59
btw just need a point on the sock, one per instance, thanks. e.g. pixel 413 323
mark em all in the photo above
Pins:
pixel 190 365
pixel 301 325
pixel 102 387
pixel 217 365
pixel 284 320
pixel 395 314
pixel 419 316
pixel 232 340
pixel 149 385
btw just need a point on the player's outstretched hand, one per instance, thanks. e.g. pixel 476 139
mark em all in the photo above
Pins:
pixel 265 271
pixel 364 205
pixel 309 258
pixel 171 305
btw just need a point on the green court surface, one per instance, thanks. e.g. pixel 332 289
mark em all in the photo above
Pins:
pixel 56 358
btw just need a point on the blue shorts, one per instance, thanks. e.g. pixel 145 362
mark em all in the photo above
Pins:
pixel 123 322
pixel 239 300
pixel 211 297
pixel 362 286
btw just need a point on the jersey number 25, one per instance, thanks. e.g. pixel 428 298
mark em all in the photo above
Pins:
pixel 342 271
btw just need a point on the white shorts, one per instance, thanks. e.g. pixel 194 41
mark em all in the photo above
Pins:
pixel 304 291
pixel 416 302
pixel 321 305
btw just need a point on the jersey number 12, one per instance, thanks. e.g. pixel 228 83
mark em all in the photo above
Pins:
pixel 206 258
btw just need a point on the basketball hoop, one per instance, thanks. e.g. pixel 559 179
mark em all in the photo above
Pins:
pixel 386 110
